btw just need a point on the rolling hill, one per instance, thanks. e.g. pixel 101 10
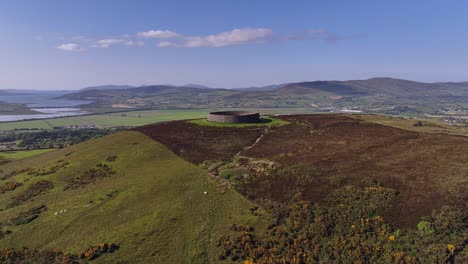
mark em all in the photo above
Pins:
pixel 153 207
pixel 312 188
pixel 378 95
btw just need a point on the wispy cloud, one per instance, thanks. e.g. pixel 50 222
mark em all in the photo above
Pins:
pixel 134 43
pixel 106 43
pixel 238 36
pixel 70 47
pixel 228 38
pixel 249 36
pixel 164 44
pixel 158 34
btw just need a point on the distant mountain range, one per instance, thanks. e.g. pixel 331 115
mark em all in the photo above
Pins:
pixel 382 95
pixel 107 87
pixel 381 85
pixel 190 85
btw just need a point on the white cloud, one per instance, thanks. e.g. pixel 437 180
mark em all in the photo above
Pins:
pixel 134 43
pixel 229 38
pixel 69 47
pixel 159 34
pixel 106 43
pixel 165 44
pixel 168 38
pixel 223 39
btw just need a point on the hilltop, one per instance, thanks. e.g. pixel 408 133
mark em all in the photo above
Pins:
pixel 191 192
pixel 341 150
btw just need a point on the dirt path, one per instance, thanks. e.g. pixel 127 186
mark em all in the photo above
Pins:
pixel 255 143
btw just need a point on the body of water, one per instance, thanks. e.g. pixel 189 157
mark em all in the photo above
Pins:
pixel 45 102
pixel 44 113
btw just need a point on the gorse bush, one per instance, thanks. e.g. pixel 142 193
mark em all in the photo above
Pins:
pixel 425 228
pixel 9 186
pixel 54 256
pixel 90 176
pixel 349 230
pixel 28 216
pixel 38 188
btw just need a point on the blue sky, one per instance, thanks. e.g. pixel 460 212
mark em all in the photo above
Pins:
pixel 73 44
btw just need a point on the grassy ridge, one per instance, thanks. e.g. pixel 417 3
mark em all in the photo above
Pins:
pixel 154 207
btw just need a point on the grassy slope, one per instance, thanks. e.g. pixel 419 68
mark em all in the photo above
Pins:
pixel 158 213
pixel 22 153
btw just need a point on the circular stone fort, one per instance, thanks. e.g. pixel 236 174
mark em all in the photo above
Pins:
pixel 234 117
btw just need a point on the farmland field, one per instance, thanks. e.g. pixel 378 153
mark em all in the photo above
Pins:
pixel 425 125
pixel 130 118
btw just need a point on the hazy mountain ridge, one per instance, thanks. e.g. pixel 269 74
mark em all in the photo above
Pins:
pixel 379 85
pixel 379 95
pixel 107 87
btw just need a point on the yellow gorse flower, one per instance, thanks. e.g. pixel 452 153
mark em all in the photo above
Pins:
pixel 451 247
pixel 392 238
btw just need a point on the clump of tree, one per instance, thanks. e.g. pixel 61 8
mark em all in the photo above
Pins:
pixel 53 138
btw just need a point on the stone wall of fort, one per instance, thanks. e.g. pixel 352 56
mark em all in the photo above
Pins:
pixel 234 117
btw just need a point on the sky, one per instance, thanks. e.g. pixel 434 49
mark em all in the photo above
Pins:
pixel 55 45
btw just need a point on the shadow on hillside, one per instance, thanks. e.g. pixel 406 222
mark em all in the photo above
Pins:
pixel 264 120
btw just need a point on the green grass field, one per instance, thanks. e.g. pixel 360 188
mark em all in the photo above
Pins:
pixel 428 125
pixel 21 154
pixel 132 118
pixel 154 207
pixel 266 121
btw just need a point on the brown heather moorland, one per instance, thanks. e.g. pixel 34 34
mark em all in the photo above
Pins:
pixel 427 170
